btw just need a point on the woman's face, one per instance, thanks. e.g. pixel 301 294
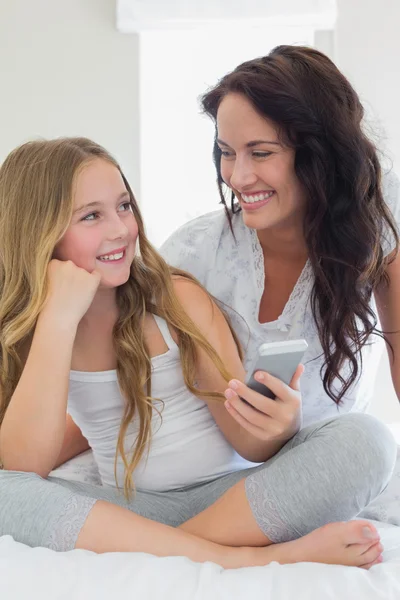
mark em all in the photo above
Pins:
pixel 258 169
pixel 103 231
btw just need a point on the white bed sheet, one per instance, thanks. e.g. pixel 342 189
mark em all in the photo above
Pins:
pixel 41 574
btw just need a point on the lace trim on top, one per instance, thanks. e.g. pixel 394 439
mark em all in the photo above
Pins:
pixel 297 299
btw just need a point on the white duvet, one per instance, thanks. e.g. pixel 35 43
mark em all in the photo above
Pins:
pixel 41 574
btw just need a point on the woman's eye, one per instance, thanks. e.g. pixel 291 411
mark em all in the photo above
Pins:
pixel 260 154
pixel 226 153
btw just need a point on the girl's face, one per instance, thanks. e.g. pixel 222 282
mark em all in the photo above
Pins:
pixel 258 169
pixel 103 231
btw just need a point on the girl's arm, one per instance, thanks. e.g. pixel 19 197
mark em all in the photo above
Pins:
pixel 74 442
pixel 261 435
pixel 33 429
pixel 388 304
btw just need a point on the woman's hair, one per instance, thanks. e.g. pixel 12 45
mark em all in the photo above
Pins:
pixel 319 115
pixel 37 183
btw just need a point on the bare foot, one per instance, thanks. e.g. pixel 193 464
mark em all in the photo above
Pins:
pixel 354 543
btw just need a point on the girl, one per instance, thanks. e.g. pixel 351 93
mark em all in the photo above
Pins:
pixel 94 322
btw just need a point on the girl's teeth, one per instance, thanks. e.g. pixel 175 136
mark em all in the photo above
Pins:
pixel 112 256
pixel 257 197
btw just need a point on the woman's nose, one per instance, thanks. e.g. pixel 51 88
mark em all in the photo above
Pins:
pixel 242 175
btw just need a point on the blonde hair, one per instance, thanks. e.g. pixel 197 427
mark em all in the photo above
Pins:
pixel 37 182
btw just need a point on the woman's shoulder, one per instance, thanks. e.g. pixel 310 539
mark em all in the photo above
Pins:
pixel 193 247
pixel 391 189
pixel 391 196
pixel 194 231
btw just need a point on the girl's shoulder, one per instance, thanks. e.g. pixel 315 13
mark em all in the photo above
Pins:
pixel 195 300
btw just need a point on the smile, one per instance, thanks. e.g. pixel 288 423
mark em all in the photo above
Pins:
pixel 250 199
pixel 115 256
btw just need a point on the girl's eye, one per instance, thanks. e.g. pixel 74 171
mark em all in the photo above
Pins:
pixel 127 206
pixel 88 217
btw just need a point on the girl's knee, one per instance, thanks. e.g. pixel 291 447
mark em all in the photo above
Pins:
pixel 37 512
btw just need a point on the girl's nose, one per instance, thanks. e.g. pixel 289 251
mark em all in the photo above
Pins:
pixel 117 230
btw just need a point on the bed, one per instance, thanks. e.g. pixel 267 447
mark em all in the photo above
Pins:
pixel 38 573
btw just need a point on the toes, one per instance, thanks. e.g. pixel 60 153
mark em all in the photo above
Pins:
pixel 370 555
pixel 373 563
pixel 360 532
pixel 378 546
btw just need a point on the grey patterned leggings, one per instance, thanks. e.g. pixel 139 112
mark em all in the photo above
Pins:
pixel 328 472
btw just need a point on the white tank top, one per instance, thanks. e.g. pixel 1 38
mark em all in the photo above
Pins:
pixel 187 446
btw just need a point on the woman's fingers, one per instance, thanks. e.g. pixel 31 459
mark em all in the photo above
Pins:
pixel 237 410
pixel 283 393
pixel 259 424
pixel 295 382
pixel 263 417
pixel 246 410
pixel 254 399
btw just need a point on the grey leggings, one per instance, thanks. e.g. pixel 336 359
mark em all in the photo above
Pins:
pixel 328 472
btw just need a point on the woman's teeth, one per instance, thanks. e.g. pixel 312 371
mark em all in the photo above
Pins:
pixel 108 257
pixel 257 197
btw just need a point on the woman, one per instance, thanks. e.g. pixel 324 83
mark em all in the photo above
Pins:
pixel 308 246
pixel 140 357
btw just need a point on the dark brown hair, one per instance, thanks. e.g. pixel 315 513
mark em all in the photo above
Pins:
pixel 319 115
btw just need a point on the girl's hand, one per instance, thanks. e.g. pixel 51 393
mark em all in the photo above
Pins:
pixel 267 419
pixel 71 290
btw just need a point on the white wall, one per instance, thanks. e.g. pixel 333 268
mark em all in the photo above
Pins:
pixel 65 70
pixel 177 139
pixel 367 50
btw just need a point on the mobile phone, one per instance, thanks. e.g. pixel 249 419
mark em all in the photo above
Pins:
pixel 279 359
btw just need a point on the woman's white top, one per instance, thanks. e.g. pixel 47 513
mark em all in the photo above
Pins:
pixel 187 446
pixel 233 271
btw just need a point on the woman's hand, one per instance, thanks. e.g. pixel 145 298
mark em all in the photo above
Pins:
pixel 264 418
pixel 71 290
